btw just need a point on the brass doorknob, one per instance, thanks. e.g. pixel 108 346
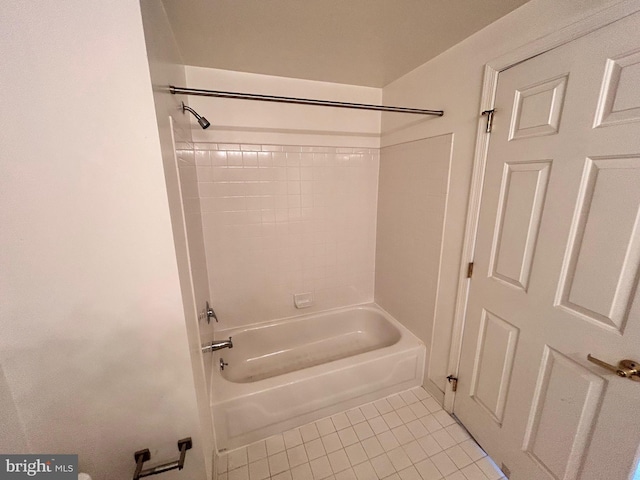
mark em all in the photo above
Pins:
pixel 626 368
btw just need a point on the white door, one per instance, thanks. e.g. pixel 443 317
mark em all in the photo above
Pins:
pixel 557 265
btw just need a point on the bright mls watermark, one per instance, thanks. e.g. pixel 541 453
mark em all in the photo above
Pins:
pixel 51 467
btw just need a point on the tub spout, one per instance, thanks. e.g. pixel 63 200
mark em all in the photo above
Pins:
pixel 217 345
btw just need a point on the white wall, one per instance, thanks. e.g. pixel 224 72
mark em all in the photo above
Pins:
pixel 453 81
pixel 412 195
pixel 93 351
pixel 245 121
pixel 165 64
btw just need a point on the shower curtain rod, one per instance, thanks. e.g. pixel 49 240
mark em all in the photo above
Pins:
pixel 299 101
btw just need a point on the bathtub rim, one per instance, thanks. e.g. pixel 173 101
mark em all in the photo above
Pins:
pixel 233 390
pixel 293 318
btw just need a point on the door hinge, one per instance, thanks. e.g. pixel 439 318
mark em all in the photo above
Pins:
pixel 470 270
pixel 454 382
pixel 489 114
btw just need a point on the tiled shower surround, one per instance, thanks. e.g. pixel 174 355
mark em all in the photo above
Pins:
pixel 281 220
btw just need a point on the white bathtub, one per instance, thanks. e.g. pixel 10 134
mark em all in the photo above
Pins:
pixel 286 373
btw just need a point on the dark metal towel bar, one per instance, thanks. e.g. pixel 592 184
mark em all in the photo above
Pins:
pixel 142 456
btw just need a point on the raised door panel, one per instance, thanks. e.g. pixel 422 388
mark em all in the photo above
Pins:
pixel 493 364
pixel 620 97
pixel 600 270
pixel 520 210
pixel 562 416
pixel 537 109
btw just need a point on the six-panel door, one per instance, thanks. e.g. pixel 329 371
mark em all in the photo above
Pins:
pixel 557 263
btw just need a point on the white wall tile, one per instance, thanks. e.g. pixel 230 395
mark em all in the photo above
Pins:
pixel 310 215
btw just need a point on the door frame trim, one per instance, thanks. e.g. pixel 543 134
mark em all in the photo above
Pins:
pixel 492 70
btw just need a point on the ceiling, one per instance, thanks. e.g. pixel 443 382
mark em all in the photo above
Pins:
pixel 358 42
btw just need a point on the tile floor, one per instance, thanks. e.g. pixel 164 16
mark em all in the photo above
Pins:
pixel 407 436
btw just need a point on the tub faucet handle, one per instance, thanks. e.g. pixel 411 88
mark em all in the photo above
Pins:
pixel 211 314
